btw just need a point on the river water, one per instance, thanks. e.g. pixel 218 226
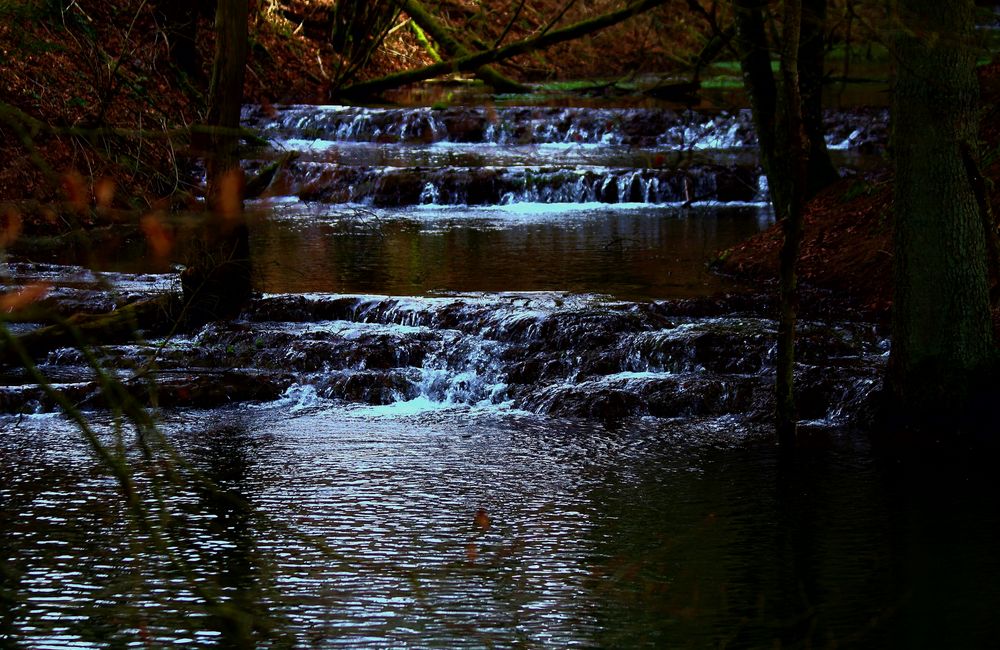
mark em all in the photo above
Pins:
pixel 493 404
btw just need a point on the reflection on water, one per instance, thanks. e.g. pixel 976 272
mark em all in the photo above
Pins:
pixel 331 526
pixel 631 252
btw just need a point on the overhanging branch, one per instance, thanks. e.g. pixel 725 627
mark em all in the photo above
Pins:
pixel 472 62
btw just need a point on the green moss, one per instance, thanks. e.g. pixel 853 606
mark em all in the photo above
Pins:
pixel 723 83
pixel 733 67
pixel 570 85
pixel 585 85
pixel 444 102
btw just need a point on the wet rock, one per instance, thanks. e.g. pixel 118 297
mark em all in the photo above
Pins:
pixel 731 352
pixel 552 354
pixel 368 386
pixel 736 184
pixel 206 389
pixel 712 395
pixel 585 401
pixel 473 185
pixel 297 309
pixel 463 124
pixel 611 398
pixel 861 128
pixel 401 187
pixel 838 395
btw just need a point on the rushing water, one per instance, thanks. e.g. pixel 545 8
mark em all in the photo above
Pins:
pixel 476 405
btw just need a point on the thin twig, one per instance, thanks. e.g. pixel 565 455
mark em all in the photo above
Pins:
pixel 510 23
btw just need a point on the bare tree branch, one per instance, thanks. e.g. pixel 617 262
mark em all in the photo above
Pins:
pixel 472 62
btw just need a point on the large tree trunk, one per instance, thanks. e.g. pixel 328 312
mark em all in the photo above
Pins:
pixel 217 284
pixel 942 335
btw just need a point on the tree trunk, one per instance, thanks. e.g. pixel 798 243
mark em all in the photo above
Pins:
pixel 794 167
pixel 942 335
pixel 761 88
pixel 218 283
pixel 765 101
pixel 784 151
pixel 812 52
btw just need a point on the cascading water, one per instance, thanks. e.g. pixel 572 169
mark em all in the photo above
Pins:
pixel 512 154
pixel 489 395
pixel 547 353
pixel 542 199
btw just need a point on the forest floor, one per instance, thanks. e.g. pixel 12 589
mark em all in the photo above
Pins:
pixel 91 110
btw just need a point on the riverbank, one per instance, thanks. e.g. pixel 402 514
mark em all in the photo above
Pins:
pixel 847 244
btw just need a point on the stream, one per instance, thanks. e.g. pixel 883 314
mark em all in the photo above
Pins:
pixel 490 394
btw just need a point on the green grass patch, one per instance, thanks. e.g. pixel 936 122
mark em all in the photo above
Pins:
pixel 570 85
pixel 585 85
pixel 733 67
pixel 870 52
